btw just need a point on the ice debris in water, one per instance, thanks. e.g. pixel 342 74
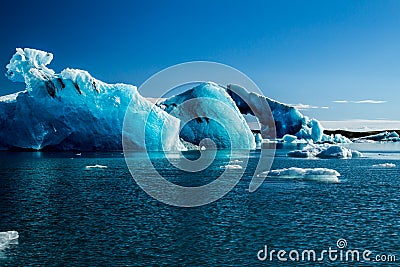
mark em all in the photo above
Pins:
pixel 380 137
pixel 288 138
pixel 97 166
pixel 384 165
pixel 232 166
pixel 7 237
pixel 306 174
pixel 324 151
pixel 236 161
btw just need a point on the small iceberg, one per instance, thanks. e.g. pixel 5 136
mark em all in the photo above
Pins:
pixel 287 138
pixel 97 166
pixel 325 151
pixel 305 174
pixel 384 165
pixel 236 161
pixel 379 137
pixel 7 237
pixel 231 166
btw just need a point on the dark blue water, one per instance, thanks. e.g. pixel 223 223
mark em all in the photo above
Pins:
pixel 68 215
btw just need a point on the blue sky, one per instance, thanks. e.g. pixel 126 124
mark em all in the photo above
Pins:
pixel 300 52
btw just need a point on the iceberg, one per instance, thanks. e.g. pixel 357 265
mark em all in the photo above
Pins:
pixel 7 237
pixel 74 111
pixel 384 165
pixel 258 138
pixel 231 166
pixel 325 151
pixel 207 111
pixel 97 166
pixel 335 138
pixel 276 119
pixel 380 137
pixel 305 174
pixel 287 138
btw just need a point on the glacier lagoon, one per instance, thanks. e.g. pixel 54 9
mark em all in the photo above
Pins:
pixel 73 208
pixel 67 214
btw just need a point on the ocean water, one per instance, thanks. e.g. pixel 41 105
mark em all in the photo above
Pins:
pixel 69 215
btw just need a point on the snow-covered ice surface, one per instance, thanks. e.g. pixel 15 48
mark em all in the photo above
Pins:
pixel 305 174
pixel 324 151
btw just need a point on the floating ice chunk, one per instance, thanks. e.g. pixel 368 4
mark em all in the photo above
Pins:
pixel 356 154
pixel 190 146
pixel 308 151
pixel 232 166
pixel 383 136
pixel 335 151
pixel 335 138
pixel 236 161
pixel 7 238
pixel 97 166
pixel 385 165
pixel 306 174
pixel 324 151
pixel 311 130
pixel 300 154
pixel 258 138
pixel 289 138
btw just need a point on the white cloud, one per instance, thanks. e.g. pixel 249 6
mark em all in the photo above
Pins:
pixel 301 106
pixel 367 101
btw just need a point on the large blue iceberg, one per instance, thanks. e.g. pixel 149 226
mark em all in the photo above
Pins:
pixel 207 111
pixel 72 110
